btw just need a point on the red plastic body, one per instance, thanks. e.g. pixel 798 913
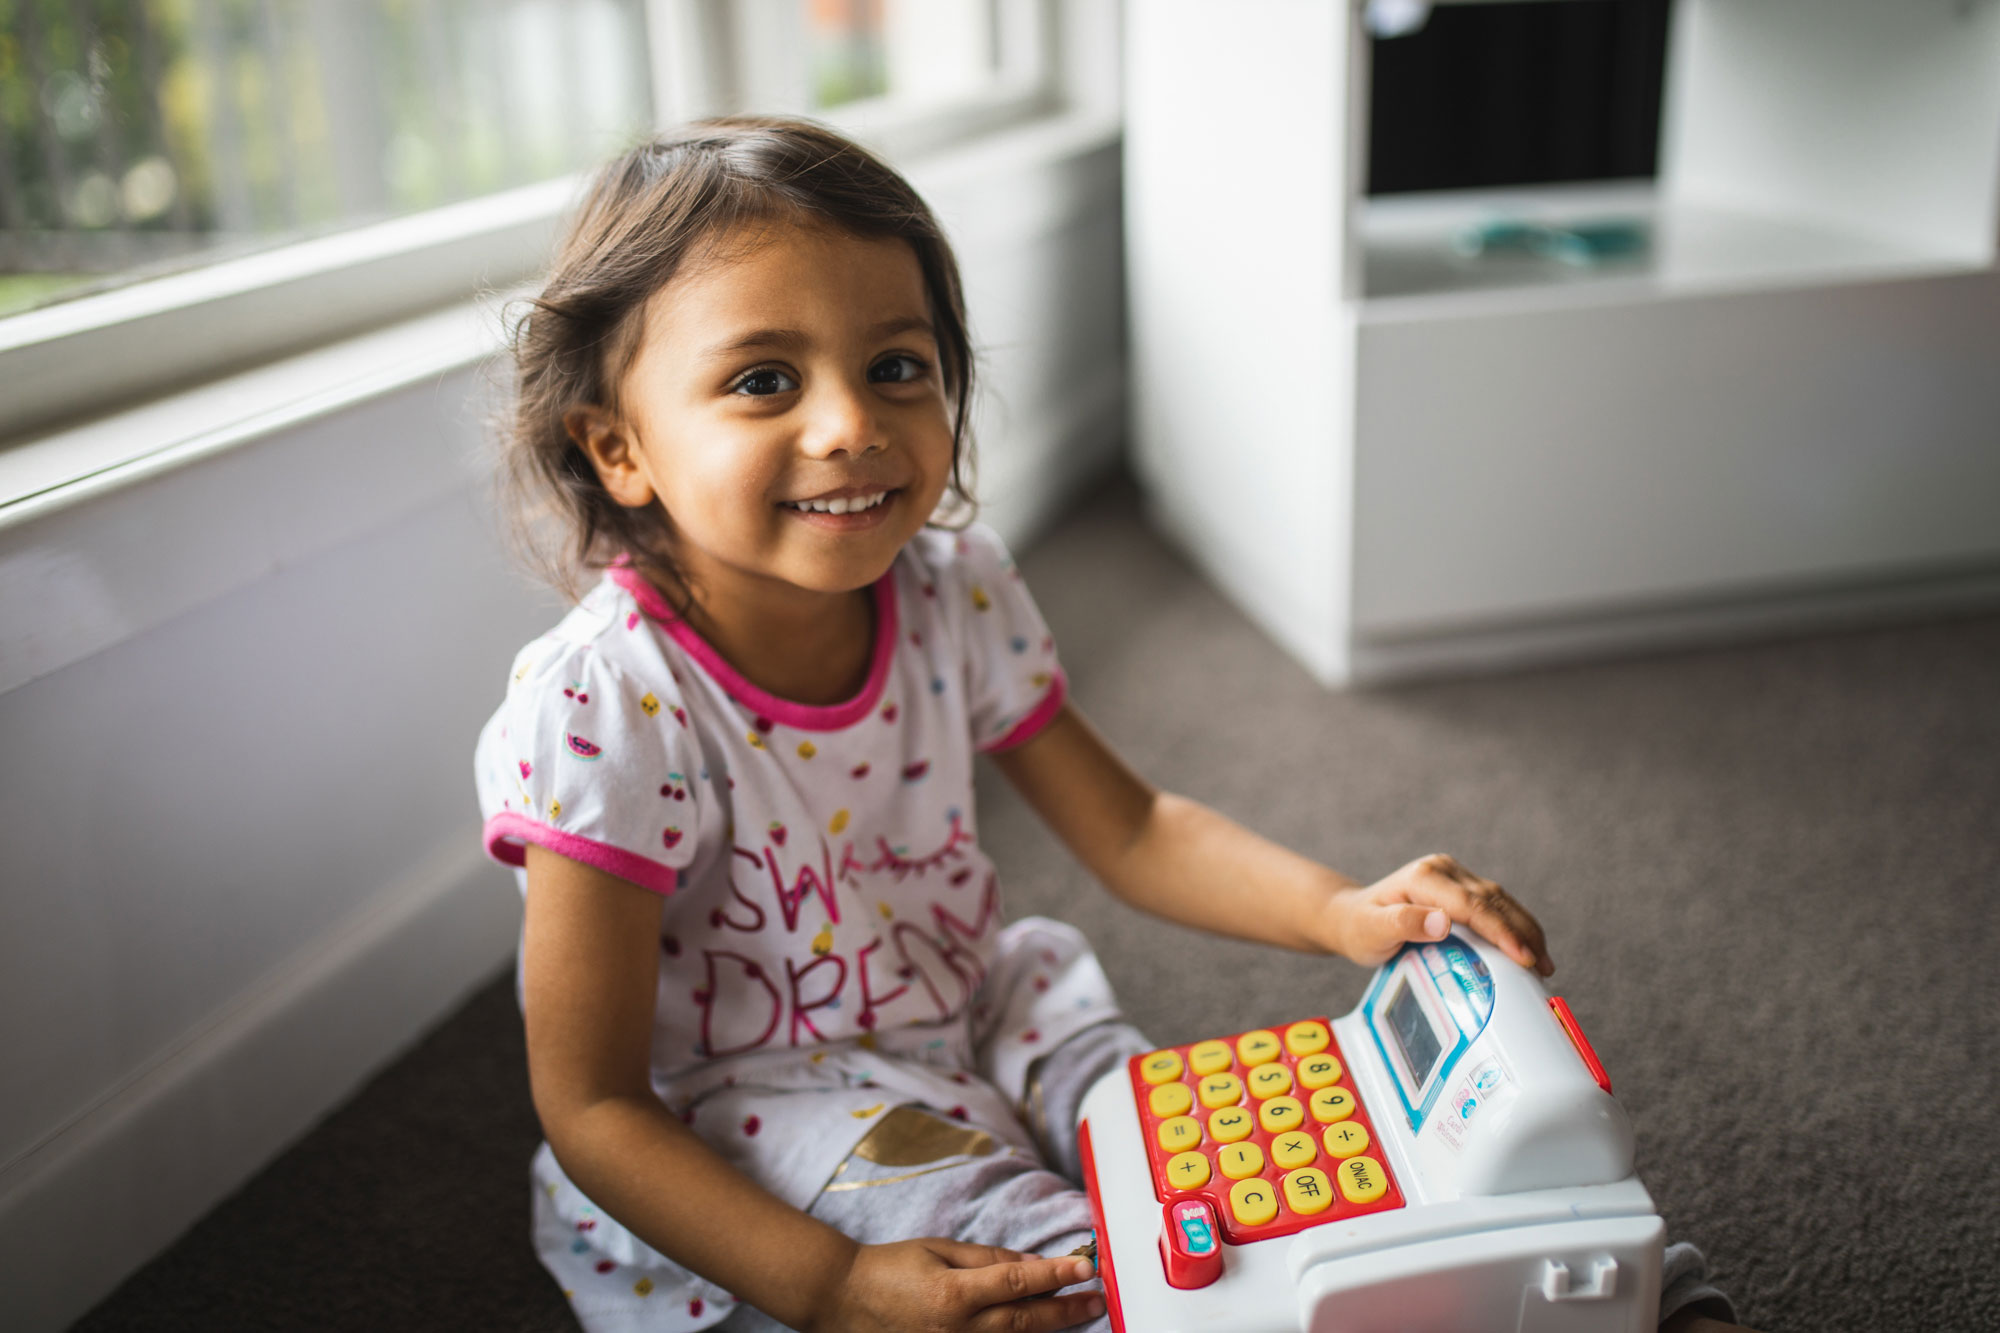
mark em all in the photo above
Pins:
pixel 1560 1008
pixel 1216 1192
pixel 1190 1242
pixel 1105 1270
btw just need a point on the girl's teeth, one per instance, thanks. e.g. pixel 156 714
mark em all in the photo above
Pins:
pixel 841 504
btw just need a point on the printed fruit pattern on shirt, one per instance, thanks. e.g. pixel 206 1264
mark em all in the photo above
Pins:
pixel 821 864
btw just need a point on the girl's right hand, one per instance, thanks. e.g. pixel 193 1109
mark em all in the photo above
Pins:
pixel 949 1286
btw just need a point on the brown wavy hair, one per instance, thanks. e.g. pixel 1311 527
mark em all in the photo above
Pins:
pixel 646 213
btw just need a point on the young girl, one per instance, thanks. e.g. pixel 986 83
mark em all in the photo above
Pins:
pixel 790 1065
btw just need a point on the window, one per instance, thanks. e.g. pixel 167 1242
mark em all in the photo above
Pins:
pixel 905 76
pixel 153 135
pixel 188 187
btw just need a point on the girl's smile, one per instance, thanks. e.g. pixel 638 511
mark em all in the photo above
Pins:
pixel 855 508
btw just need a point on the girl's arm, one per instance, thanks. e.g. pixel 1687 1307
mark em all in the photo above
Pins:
pixel 588 970
pixel 1180 860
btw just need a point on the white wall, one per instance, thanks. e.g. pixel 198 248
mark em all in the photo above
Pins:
pixel 239 696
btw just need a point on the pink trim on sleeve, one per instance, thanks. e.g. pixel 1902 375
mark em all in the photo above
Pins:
pixel 507 836
pixel 803 717
pixel 1040 716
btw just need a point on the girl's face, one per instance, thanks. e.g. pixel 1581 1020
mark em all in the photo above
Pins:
pixel 787 375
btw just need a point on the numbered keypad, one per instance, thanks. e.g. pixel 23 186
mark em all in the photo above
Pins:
pixel 1267 1126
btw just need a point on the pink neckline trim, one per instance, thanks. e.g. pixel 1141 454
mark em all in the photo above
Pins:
pixel 801 717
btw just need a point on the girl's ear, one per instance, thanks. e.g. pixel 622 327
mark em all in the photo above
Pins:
pixel 607 442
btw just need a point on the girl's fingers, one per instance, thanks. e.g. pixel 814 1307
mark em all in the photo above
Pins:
pixel 1413 921
pixel 965 1254
pixel 1045 1316
pixel 1442 882
pixel 998 1283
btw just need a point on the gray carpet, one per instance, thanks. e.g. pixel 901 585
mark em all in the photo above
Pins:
pixel 1768 872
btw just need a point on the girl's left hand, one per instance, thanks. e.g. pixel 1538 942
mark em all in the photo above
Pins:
pixel 1421 901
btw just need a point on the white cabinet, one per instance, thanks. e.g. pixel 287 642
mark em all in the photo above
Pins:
pixel 1398 459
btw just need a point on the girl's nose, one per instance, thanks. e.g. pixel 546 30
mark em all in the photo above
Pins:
pixel 843 421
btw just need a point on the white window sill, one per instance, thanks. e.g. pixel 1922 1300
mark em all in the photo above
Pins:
pixel 134 343
pixel 85 462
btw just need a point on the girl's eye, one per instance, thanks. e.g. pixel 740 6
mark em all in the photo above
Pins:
pixel 765 382
pixel 898 369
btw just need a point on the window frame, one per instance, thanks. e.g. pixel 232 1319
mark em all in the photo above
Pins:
pixel 715 57
pixel 93 354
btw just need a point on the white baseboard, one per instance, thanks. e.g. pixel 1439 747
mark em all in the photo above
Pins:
pixel 97 1198
pixel 1336 661
pixel 1721 620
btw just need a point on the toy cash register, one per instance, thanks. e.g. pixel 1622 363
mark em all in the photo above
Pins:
pixel 1448 1156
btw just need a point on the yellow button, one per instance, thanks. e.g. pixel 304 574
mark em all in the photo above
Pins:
pixel 1318 1071
pixel 1254 1202
pixel 1232 1124
pixel 1187 1171
pixel 1280 1114
pixel 1221 1090
pixel 1270 1080
pixel 1160 1066
pixel 1347 1139
pixel 1309 1191
pixel 1331 1104
pixel 1257 1048
pixel 1180 1133
pixel 1294 1149
pixel 1170 1099
pixel 1362 1180
pixel 1240 1159
pixel 1307 1038
pixel 1209 1057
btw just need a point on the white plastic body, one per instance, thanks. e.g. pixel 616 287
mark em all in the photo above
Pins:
pixel 1532 1223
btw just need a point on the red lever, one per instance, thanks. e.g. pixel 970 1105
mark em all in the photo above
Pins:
pixel 1581 1042
pixel 1191 1243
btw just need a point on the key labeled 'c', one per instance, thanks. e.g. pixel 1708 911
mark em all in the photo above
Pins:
pixel 1253 1201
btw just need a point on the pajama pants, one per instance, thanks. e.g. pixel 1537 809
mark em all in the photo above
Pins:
pixel 920 1173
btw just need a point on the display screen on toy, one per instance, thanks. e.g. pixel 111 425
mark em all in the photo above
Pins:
pixel 1446 1156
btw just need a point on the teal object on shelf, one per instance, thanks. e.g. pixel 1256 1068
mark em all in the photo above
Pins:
pixel 1579 243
